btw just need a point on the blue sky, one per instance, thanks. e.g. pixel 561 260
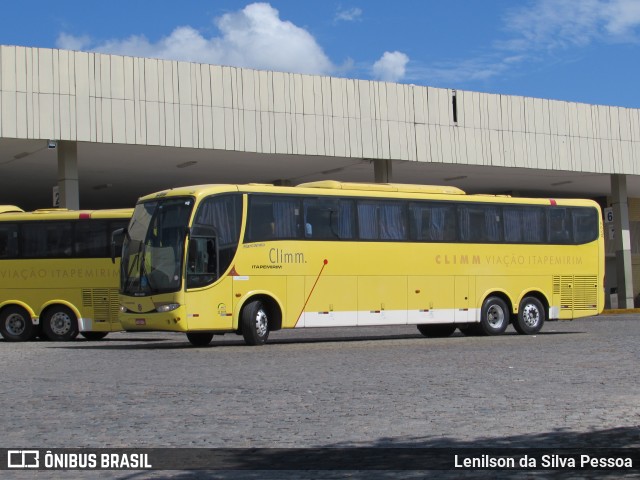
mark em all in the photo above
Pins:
pixel 575 50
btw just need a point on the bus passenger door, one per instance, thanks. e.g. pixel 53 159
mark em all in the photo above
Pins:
pixel 208 298
pixel 461 297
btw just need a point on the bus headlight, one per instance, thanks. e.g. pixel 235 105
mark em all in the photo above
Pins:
pixel 123 309
pixel 167 307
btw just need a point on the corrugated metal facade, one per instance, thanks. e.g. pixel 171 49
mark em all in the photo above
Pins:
pixel 93 97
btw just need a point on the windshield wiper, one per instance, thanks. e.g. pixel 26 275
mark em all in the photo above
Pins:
pixel 134 264
pixel 143 272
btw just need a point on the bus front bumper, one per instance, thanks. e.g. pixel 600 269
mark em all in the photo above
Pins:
pixel 174 321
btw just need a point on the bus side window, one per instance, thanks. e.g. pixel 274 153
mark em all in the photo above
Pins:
pixel 8 241
pixel 317 218
pixel 47 240
pixel 261 224
pixel 91 239
pixel 559 229
pixel 202 263
pixel 382 220
pixel 433 222
pixel 585 224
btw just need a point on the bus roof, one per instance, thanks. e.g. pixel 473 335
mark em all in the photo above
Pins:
pixel 384 187
pixel 381 190
pixel 10 209
pixel 64 214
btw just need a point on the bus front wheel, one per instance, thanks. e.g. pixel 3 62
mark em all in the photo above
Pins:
pixel 16 325
pixel 255 323
pixel 60 324
pixel 199 339
pixel 494 317
pixel 531 316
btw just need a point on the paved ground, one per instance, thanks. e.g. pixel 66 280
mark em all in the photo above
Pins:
pixel 576 384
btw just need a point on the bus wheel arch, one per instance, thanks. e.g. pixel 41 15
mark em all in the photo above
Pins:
pixel 495 314
pixel 59 322
pixel 533 310
pixel 259 315
pixel 16 324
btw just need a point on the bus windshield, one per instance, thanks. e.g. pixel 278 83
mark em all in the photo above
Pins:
pixel 155 237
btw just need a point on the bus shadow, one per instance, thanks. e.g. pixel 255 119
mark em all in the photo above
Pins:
pixel 179 344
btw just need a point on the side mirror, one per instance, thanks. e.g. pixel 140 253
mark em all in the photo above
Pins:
pixel 120 232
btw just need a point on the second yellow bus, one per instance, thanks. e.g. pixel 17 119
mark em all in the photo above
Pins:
pixel 56 275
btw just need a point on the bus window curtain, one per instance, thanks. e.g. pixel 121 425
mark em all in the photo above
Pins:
pixel 436 224
pixel 218 214
pixel 392 223
pixel 284 214
pixel 345 220
pixel 368 221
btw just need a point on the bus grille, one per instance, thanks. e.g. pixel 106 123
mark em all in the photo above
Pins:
pixel 104 302
pixel 577 292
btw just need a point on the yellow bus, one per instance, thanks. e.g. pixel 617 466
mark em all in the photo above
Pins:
pixel 56 274
pixel 251 259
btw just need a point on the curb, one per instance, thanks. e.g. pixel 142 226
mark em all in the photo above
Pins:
pixel 619 311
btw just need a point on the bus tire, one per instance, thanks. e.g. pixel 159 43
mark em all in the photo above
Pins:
pixel 255 323
pixel 199 339
pixel 16 325
pixel 93 336
pixel 531 316
pixel 437 330
pixel 494 316
pixel 60 324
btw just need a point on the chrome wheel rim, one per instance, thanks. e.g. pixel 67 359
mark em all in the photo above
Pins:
pixel 16 324
pixel 495 316
pixel 262 323
pixel 530 315
pixel 60 323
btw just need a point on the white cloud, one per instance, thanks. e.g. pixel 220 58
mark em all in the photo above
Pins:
pixel 469 70
pixel 535 30
pixel 391 67
pixel 551 24
pixel 349 15
pixel 623 18
pixel 69 42
pixel 253 37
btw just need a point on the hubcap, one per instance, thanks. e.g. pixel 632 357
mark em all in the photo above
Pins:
pixel 495 316
pixel 16 324
pixel 262 323
pixel 60 323
pixel 530 315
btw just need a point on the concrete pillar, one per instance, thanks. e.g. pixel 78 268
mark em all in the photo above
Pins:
pixel 622 240
pixel 68 184
pixel 382 170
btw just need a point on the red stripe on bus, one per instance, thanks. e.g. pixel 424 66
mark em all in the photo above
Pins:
pixel 324 264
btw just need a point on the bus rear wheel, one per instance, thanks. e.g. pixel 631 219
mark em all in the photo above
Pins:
pixel 255 323
pixel 93 336
pixel 60 324
pixel 531 316
pixel 437 330
pixel 494 316
pixel 16 325
pixel 199 339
